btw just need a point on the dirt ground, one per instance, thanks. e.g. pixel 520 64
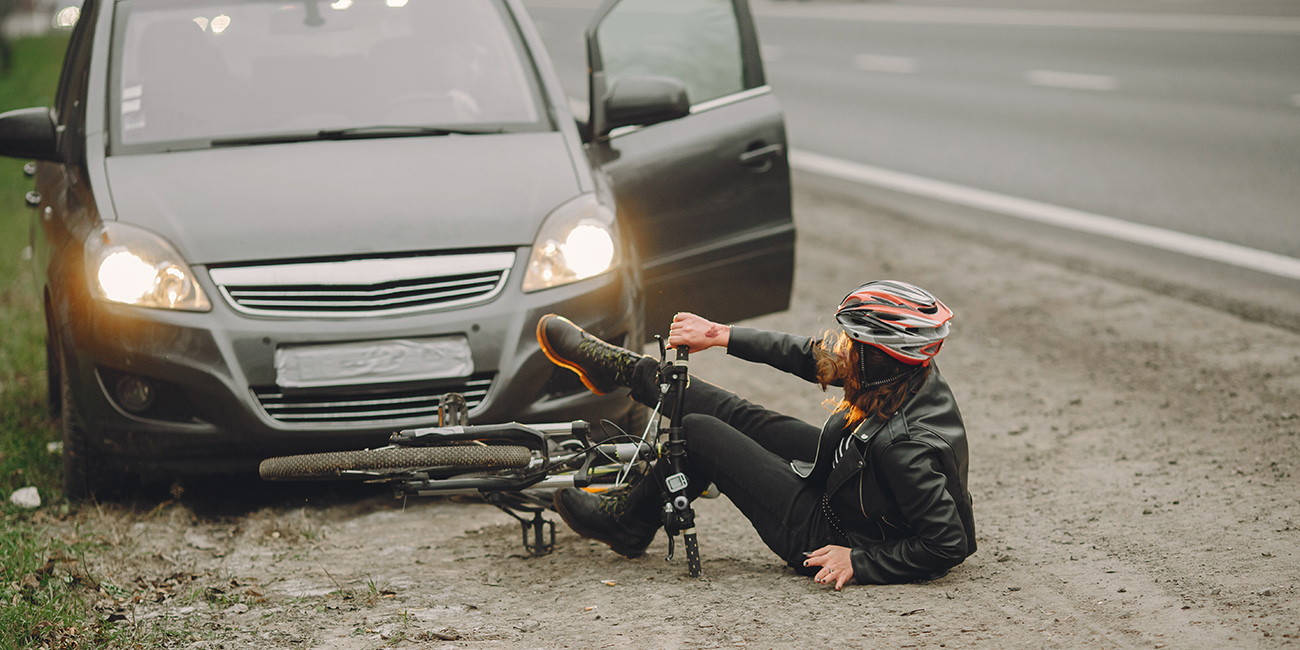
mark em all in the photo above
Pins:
pixel 1133 463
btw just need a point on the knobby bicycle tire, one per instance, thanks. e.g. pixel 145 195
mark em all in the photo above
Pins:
pixel 334 464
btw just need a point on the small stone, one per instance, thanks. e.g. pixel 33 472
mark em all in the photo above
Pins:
pixel 27 497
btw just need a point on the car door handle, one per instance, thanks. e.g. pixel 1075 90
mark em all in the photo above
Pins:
pixel 761 156
pixel 33 199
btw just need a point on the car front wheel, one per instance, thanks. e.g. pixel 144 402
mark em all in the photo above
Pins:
pixel 85 474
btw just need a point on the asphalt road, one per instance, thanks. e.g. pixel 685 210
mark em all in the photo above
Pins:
pixel 1193 130
pixel 1184 117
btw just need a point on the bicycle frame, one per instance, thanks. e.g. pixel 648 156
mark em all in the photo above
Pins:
pixel 542 458
pixel 527 489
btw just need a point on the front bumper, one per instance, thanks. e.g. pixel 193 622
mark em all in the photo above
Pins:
pixel 208 369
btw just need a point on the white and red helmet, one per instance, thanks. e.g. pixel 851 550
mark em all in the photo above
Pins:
pixel 903 320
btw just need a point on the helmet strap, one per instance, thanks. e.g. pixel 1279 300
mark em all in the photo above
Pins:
pixel 862 365
pixel 895 378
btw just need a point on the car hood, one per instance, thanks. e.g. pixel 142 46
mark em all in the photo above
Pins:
pixel 341 198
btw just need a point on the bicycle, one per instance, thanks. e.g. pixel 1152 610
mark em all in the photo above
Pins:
pixel 517 467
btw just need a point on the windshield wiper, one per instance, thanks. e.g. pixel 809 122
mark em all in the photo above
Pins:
pixel 353 133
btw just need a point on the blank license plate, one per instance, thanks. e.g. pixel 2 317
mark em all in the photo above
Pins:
pixel 372 362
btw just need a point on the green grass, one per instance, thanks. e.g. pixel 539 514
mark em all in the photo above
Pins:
pixel 25 427
pixel 47 589
pixel 41 586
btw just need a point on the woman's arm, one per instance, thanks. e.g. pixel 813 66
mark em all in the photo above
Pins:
pixel 938 541
pixel 787 352
pixel 697 333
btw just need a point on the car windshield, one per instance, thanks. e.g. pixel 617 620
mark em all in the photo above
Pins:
pixel 186 73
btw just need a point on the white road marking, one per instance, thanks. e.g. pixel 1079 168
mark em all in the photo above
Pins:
pixel 1295 100
pixel 1071 80
pixel 900 14
pixel 1046 213
pixel 1174 22
pixel 885 63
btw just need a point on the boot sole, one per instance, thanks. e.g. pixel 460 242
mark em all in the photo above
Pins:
pixel 561 361
pixel 581 530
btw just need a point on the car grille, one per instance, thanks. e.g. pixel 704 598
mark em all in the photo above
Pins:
pixel 357 408
pixel 366 287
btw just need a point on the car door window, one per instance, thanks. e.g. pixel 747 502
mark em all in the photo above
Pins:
pixel 697 42
pixel 705 198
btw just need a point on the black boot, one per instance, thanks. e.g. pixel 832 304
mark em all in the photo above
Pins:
pixel 626 521
pixel 602 367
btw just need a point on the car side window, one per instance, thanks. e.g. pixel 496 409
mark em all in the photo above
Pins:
pixel 697 42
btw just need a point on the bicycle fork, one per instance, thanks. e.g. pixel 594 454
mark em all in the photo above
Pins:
pixel 678 515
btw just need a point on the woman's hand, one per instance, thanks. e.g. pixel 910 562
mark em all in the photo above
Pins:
pixel 836 564
pixel 697 333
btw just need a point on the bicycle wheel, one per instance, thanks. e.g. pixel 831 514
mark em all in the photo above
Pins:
pixel 334 464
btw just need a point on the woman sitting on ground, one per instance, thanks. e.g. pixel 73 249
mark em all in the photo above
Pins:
pixel 876 495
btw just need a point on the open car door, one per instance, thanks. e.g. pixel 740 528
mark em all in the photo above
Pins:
pixel 705 196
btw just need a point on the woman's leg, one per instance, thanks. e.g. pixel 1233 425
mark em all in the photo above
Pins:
pixel 785 509
pixel 790 438
pixel 603 367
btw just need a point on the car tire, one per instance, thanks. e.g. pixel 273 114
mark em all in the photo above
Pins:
pixel 53 387
pixel 85 472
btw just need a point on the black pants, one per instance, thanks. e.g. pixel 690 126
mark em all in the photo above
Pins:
pixel 745 450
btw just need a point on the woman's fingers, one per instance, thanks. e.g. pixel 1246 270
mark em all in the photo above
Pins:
pixel 835 565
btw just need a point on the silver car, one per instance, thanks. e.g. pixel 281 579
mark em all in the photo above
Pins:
pixel 279 227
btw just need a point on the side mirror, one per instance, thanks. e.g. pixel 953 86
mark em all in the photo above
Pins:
pixel 643 101
pixel 29 133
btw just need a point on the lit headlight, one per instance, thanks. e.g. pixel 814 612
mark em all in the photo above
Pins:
pixel 576 242
pixel 136 267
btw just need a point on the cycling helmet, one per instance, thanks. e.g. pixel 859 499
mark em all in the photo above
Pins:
pixel 903 320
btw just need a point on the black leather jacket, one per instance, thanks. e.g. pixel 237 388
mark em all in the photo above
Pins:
pixel 896 487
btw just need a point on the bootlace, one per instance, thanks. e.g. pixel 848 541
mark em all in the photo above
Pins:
pixel 607 355
pixel 614 503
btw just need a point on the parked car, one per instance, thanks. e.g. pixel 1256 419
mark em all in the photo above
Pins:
pixel 270 228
